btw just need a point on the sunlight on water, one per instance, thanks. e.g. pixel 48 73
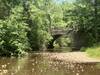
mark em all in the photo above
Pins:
pixel 36 64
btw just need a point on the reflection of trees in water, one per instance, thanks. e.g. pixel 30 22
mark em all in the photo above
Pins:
pixel 18 65
pixel 41 65
pixel 11 66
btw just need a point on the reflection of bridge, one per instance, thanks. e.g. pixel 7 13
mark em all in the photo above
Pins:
pixel 58 32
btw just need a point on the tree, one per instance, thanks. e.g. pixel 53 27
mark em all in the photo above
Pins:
pixel 6 6
pixel 81 18
pixel 42 17
pixel 13 34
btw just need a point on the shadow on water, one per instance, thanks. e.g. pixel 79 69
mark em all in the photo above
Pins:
pixel 36 64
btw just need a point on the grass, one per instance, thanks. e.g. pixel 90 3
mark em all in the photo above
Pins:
pixel 94 51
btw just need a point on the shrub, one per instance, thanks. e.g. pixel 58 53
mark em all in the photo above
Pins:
pixel 13 35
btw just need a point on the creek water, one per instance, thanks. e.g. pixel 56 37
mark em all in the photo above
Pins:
pixel 37 64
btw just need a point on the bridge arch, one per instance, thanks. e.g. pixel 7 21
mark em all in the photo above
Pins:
pixel 57 33
pixel 51 43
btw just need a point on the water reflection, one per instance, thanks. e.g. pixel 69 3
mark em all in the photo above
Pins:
pixel 36 64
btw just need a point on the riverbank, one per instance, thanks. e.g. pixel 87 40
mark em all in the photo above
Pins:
pixel 74 57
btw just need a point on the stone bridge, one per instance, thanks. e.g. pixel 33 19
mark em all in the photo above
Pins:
pixel 78 38
pixel 56 33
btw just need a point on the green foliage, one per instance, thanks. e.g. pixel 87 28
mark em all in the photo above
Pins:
pixel 13 34
pixel 63 42
pixel 24 22
pixel 78 16
pixel 94 51
pixel 6 6
pixel 43 16
pixel 39 24
pixel 81 17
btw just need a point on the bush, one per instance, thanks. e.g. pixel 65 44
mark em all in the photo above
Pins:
pixel 13 35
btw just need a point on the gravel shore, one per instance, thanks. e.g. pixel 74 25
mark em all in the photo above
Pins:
pixel 74 57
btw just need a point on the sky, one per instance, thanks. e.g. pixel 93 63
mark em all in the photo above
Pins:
pixel 65 0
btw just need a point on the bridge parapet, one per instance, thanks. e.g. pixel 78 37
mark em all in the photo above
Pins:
pixel 60 31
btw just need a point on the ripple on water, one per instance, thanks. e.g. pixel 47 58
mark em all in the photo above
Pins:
pixel 39 65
